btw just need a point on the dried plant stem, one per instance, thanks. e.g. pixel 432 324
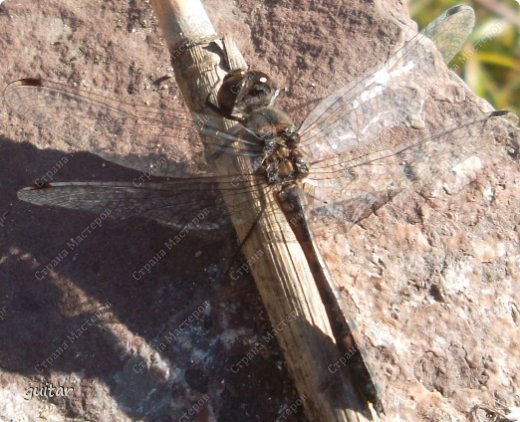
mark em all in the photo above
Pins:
pixel 283 277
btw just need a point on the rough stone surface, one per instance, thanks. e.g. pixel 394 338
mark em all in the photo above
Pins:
pixel 431 280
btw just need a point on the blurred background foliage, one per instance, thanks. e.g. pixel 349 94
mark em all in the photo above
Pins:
pixel 490 61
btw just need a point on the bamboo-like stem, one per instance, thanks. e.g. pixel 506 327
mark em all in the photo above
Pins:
pixel 184 20
pixel 283 277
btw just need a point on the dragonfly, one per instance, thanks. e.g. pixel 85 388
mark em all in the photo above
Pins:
pixel 355 152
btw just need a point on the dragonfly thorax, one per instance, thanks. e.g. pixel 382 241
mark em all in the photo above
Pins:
pixel 281 161
pixel 247 96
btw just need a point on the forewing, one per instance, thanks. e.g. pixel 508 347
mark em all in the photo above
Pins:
pixel 392 95
pixel 450 30
pixel 158 141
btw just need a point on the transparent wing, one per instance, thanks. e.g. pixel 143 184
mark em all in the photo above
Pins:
pixel 393 95
pixel 196 204
pixel 159 141
pixel 344 189
pixel 450 30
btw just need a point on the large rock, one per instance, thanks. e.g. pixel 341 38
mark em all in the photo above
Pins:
pixel 430 280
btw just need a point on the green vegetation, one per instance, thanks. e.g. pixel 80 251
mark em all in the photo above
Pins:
pixel 490 62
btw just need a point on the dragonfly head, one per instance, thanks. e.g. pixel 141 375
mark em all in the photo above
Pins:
pixel 244 91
